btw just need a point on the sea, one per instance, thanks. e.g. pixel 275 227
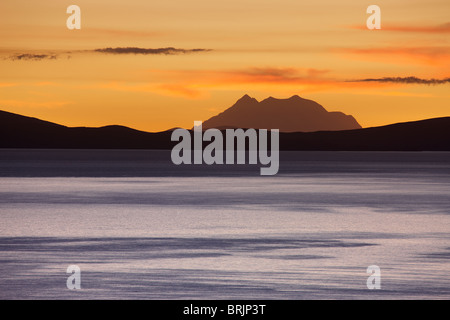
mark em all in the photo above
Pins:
pixel 139 227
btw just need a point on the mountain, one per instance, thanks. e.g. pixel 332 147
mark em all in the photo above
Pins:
pixel 423 135
pixel 18 131
pixel 288 115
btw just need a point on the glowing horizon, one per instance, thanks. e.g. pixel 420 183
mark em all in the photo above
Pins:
pixel 163 64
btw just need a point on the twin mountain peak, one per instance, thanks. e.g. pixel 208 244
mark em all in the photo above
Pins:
pixel 288 115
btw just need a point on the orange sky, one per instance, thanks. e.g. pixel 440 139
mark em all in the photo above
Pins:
pixel 315 49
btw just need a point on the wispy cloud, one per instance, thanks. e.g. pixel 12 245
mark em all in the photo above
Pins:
pixel 275 75
pixel 198 84
pixel 32 57
pixel 150 51
pixel 195 84
pixel 405 80
pixel 116 51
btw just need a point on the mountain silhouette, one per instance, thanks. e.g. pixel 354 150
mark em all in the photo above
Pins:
pixel 18 131
pixel 288 115
pixel 25 132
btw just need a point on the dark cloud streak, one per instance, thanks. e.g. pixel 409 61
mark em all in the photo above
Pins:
pixel 406 80
pixel 32 57
pixel 117 50
pixel 147 51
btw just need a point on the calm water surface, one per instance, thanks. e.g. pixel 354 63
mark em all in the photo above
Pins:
pixel 141 228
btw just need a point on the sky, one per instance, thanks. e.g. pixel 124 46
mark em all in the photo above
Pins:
pixel 159 64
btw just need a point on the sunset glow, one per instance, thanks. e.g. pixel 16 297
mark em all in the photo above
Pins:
pixel 155 65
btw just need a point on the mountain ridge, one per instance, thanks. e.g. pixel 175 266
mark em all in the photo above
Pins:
pixel 294 114
pixel 17 131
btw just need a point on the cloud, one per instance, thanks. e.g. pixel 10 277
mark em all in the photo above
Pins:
pixel 275 75
pixel 32 57
pixel 194 84
pixel 117 50
pixel 197 84
pixel 406 80
pixel 149 51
